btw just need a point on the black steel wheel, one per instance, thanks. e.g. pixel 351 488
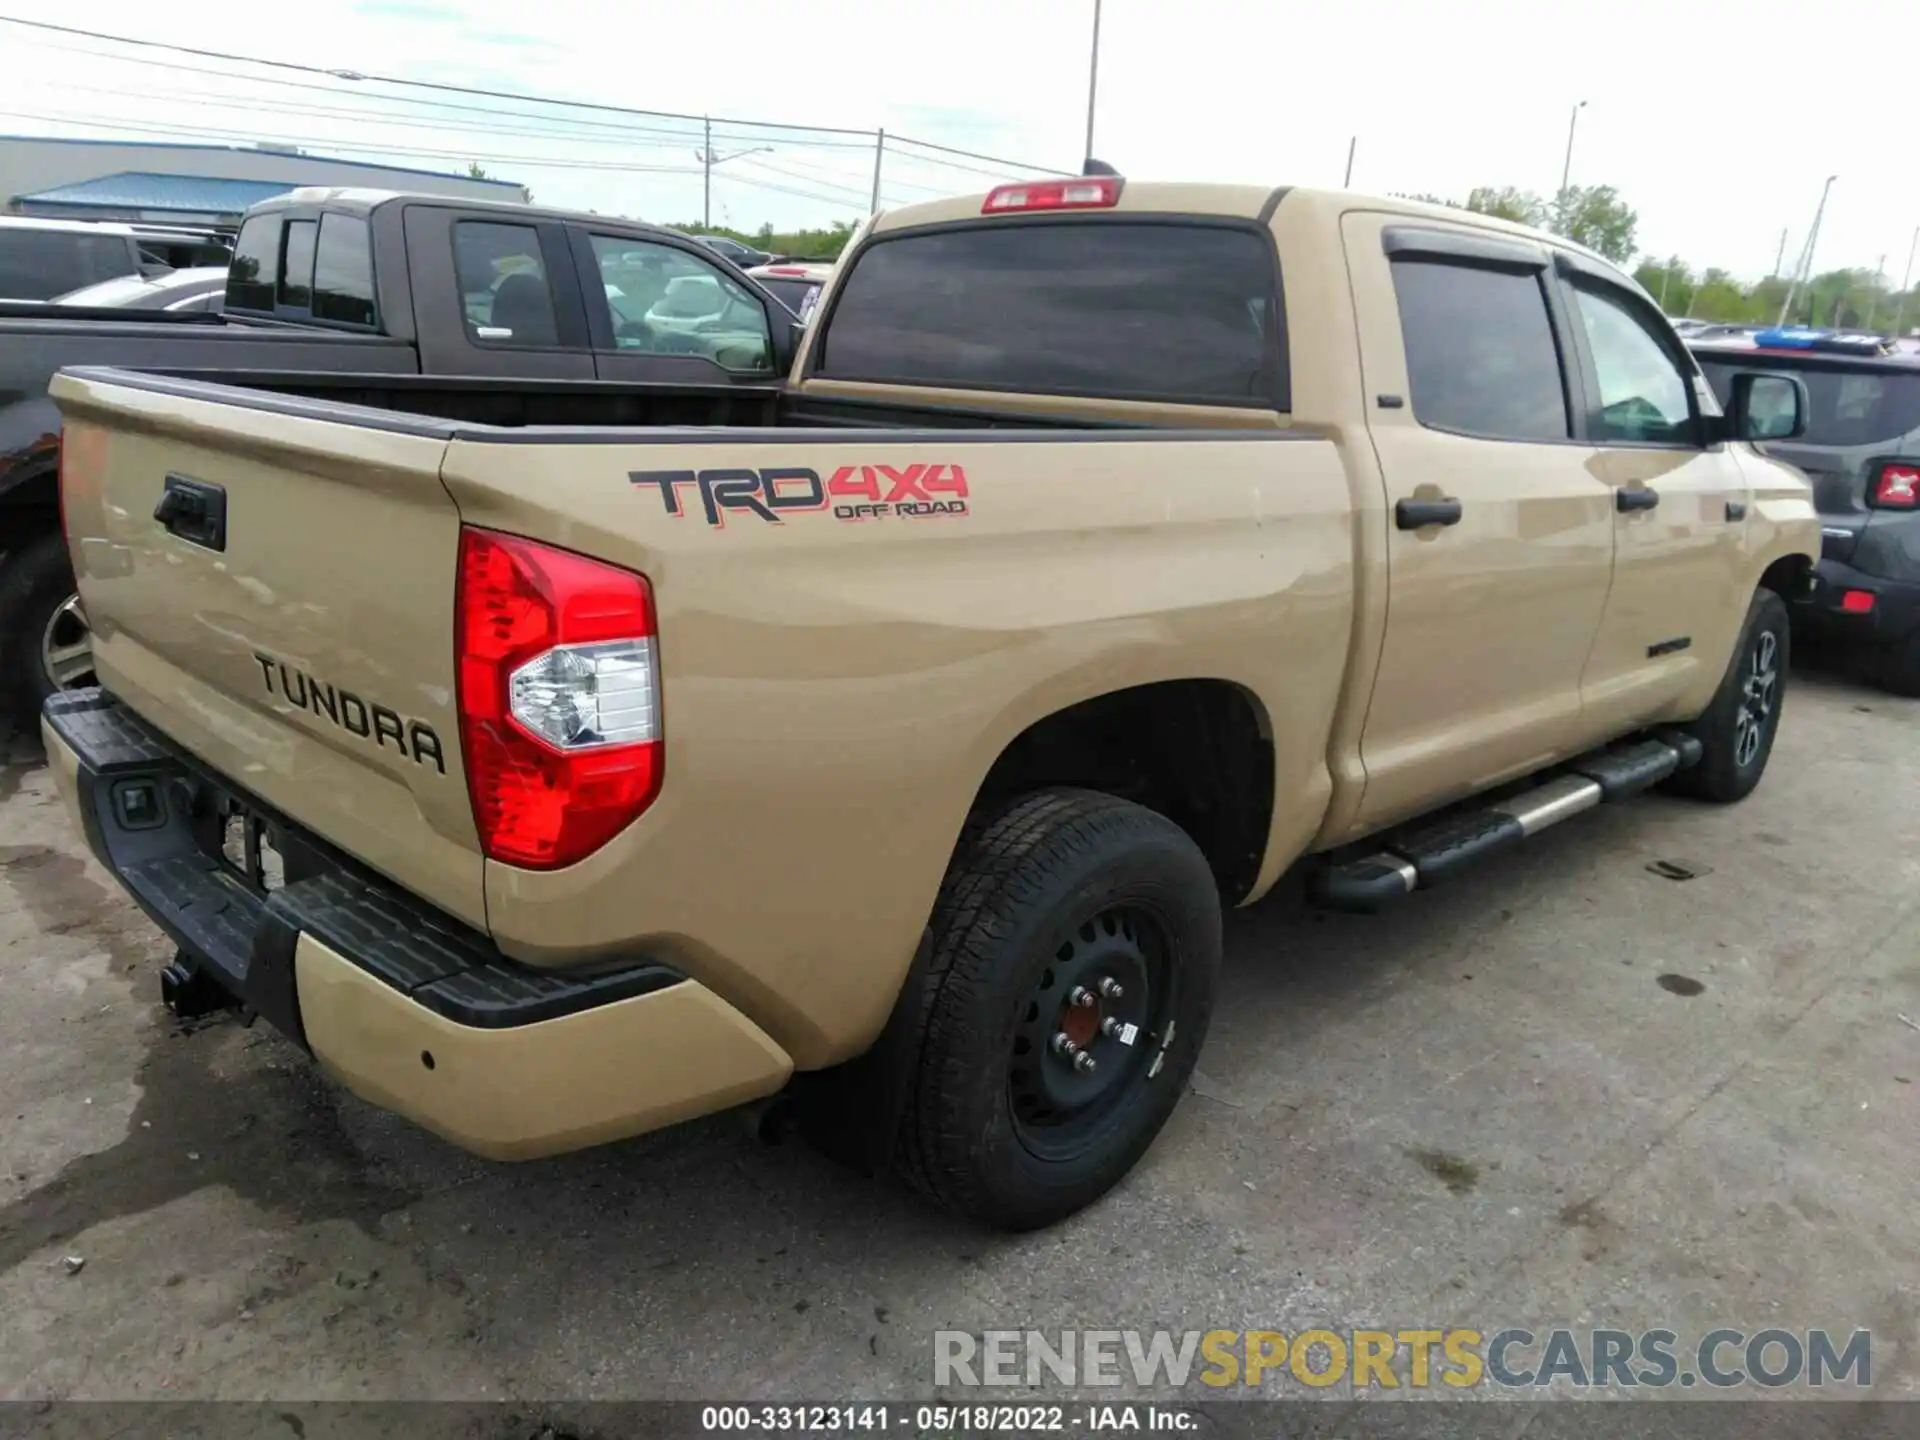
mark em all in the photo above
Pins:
pixel 1076 946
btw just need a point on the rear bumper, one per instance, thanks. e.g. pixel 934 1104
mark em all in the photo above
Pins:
pixel 411 1009
pixel 1895 612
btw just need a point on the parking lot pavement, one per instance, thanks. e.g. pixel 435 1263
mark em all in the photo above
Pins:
pixel 1565 1090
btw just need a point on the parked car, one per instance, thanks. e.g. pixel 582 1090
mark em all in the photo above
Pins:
pixel 200 288
pixel 364 292
pixel 40 259
pixel 745 256
pixel 1861 450
pixel 795 284
pixel 900 740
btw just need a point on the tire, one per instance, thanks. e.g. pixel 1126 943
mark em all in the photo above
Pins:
pixel 1738 740
pixel 1059 888
pixel 35 583
pixel 1899 669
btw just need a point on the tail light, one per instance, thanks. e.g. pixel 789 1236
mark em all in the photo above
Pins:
pixel 1897 487
pixel 559 694
pixel 1099 192
pixel 1857 602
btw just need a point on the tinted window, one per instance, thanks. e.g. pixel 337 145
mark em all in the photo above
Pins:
pixel 40 264
pixel 663 301
pixel 504 291
pixel 343 271
pixel 1643 395
pixel 797 295
pixel 1845 407
pixel 1481 357
pixel 296 266
pixel 1107 308
pixel 255 271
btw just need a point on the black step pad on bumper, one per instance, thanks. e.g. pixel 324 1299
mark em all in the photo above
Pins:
pixel 242 937
pixel 1428 853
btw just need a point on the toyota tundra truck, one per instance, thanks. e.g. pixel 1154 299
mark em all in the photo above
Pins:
pixel 552 776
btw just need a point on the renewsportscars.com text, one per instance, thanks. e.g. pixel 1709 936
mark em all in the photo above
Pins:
pixel 1510 1358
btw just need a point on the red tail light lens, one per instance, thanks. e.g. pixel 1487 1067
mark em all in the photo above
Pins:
pixel 559 692
pixel 1898 487
pixel 1099 192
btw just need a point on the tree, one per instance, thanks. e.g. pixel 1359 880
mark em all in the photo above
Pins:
pixel 1507 202
pixel 1595 216
pixel 476 172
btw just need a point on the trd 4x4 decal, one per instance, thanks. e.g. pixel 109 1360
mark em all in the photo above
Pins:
pixel 853 492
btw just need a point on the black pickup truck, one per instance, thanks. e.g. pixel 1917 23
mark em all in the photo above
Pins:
pixel 359 292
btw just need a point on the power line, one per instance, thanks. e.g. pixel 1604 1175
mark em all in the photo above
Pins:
pixel 492 112
pixel 446 88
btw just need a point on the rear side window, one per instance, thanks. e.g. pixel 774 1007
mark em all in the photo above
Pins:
pixel 254 273
pixel 1481 357
pixel 343 271
pixel 1846 407
pixel 504 291
pixel 41 264
pixel 1111 308
pixel 296 266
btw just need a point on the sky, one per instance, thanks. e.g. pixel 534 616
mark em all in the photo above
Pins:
pixel 1437 98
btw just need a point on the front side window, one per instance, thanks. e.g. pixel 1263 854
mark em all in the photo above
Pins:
pixel 1644 397
pixel 254 273
pixel 504 291
pixel 663 301
pixel 1481 357
pixel 1114 308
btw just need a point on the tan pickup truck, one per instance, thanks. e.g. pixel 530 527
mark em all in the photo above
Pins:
pixel 893 736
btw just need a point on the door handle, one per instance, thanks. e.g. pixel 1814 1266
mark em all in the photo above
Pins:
pixel 1415 514
pixel 1627 501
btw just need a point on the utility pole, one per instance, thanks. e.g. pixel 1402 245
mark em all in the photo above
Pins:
pixel 1900 310
pixel 708 160
pixel 1804 270
pixel 1347 184
pixel 879 154
pixel 1879 284
pixel 1666 278
pixel 1566 170
pixel 1093 78
pixel 1780 258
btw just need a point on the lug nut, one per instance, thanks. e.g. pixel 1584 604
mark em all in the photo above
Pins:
pixel 1110 988
pixel 1084 1061
pixel 1112 1025
pixel 1081 998
pixel 1063 1044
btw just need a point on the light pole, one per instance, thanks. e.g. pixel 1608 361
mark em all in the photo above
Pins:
pixel 1900 310
pixel 708 160
pixel 1093 78
pixel 1352 144
pixel 1566 169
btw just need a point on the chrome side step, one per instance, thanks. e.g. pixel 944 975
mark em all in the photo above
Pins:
pixel 1421 857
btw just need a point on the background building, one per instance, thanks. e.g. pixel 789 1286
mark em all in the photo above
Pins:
pixel 201 185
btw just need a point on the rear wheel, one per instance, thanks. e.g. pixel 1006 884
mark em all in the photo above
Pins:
pixel 1900 666
pixel 1738 728
pixel 1076 950
pixel 45 644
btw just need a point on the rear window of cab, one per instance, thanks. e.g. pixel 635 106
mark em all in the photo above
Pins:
pixel 1117 309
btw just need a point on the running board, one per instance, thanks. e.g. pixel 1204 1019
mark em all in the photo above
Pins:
pixel 1422 857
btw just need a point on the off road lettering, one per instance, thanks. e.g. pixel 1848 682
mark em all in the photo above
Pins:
pixel 854 492
pixel 363 719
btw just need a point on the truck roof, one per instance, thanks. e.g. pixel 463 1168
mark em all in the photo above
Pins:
pixel 363 201
pixel 1241 202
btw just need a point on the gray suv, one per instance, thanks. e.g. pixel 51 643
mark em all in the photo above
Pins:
pixel 1861 450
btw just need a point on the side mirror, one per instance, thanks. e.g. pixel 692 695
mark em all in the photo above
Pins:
pixel 1768 406
pixel 786 333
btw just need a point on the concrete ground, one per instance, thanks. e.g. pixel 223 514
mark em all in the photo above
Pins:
pixel 1496 1106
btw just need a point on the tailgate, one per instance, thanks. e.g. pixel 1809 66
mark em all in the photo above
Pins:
pixel 275 593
